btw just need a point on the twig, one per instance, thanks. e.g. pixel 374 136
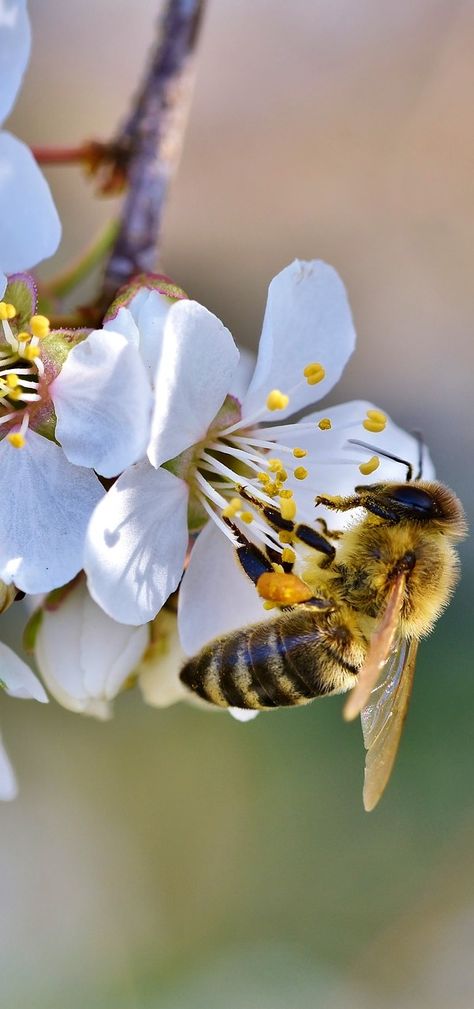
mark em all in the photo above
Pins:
pixel 150 141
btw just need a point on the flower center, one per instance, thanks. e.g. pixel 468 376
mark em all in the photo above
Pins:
pixel 21 370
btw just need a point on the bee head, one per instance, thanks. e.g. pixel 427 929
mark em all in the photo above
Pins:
pixel 421 501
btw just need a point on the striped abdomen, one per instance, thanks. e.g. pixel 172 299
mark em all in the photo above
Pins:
pixel 285 661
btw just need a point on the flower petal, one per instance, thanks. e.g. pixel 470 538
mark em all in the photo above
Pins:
pixel 124 323
pixel 46 506
pixel 103 403
pixel 150 310
pixel 84 656
pixel 215 595
pixel 17 678
pixel 197 364
pixel 15 40
pixel 8 785
pixel 30 224
pixel 243 375
pixel 307 320
pixel 137 542
pixel 158 672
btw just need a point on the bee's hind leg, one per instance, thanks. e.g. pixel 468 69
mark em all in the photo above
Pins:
pixel 306 534
pixel 252 560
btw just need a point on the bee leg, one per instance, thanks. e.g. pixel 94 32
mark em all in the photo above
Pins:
pixel 331 534
pixel 306 534
pixel 253 561
pixel 361 499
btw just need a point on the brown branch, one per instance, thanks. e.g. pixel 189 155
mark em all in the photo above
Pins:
pixel 149 144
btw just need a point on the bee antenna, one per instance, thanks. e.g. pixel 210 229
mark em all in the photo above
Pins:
pixel 386 455
pixel 419 437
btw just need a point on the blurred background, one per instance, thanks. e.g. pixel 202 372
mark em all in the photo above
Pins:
pixel 179 860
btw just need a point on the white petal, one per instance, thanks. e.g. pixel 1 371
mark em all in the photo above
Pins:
pixel 150 309
pixel 84 656
pixel 46 506
pixel 215 595
pixel 30 228
pixel 307 320
pixel 17 678
pixel 8 785
pixel 243 714
pixel 197 364
pixel 103 403
pixel 137 542
pixel 15 39
pixel 243 375
pixel 125 324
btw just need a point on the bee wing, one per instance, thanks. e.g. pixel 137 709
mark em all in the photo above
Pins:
pixel 383 719
pixel 380 647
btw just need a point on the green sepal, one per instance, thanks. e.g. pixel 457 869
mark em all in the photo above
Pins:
pixel 153 282
pixel 48 427
pixel 22 293
pixel 31 630
pixel 59 342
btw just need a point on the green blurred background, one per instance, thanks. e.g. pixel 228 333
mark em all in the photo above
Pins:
pixel 179 860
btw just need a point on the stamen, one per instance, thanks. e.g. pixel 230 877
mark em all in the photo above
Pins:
pixel 300 473
pixel 7 311
pixel 314 373
pixel 366 468
pixel 16 439
pixel 288 508
pixel 277 400
pixel 40 326
pixel 235 504
pixel 288 555
pixel 325 424
pixel 375 422
pixel 299 453
pixel 224 528
pixel 247 517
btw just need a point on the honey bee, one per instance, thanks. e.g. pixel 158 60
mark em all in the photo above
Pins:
pixel 352 621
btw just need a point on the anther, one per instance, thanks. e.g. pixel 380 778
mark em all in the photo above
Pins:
pixel 275 465
pixel 375 421
pixel 246 517
pixel 40 326
pixel 366 468
pixel 285 493
pixel 314 373
pixel 16 439
pixel 299 453
pixel 12 380
pixel 324 424
pixel 300 473
pixel 288 555
pixel 7 311
pixel 277 400
pixel 30 353
pixel 232 508
pixel 288 508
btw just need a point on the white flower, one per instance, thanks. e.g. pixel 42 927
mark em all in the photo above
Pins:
pixel 18 681
pixel 138 535
pixel 92 394
pixel 29 224
pixel 85 657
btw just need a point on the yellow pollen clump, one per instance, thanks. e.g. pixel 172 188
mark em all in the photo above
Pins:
pixel 268 605
pixel 7 311
pixel 232 508
pixel 288 555
pixel 275 465
pixel 324 424
pixel 368 467
pixel 299 453
pixel 288 508
pixel 16 439
pixel 40 325
pixel 277 400
pixel 246 517
pixel 314 373
pixel 285 537
pixel 286 493
pixel 12 380
pixel 30 353
pixel 300 473
pixel 375 421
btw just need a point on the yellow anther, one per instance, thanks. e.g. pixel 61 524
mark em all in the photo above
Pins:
pixel 247 517
pixel 15 394
pixel 16 439
pixel 286 493
pixel 288 508
pixel 325 424
pixel 278 569
pixel 7 311
pixel 374 426
pixel 282 475
pixel 288 555
pixel 299 453
pixel 277 400
pixel 285 537
pixel 40 325
pixel 274 465
pixel 300 473
pixel 314 373
pixel 263 477
pixel 232 508
pixel 377 415
pixel 30 353
pixel 24 337
pixel 12 380
pixel 368 467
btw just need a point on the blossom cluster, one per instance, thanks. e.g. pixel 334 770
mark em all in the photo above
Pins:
pixel 134 455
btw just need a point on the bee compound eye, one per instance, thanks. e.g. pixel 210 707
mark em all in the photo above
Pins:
pixel 413 498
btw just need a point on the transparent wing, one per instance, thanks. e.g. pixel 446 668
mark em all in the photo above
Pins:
pixel 383 718
pixel 381 645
